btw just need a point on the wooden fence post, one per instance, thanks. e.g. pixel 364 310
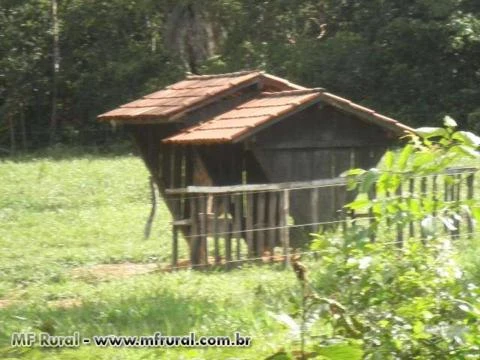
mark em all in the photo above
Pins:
pixel 272 222
pixel 194 233
pixel 216 244
pixel 260 224
pixel 249 225
pixel 285 210
pixel 237 223
pixel 226 231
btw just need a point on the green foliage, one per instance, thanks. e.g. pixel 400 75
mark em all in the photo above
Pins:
pixel 413 301
pixel 406 303
pixel 430 152
pixel 412 60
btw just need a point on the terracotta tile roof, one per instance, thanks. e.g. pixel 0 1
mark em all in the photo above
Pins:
pixel 280 97
pixel 246 118
pixel 196 90
pixel 177 98
pixel 236 123
pixel 365 113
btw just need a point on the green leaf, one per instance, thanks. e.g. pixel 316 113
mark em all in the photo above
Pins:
pixel 467 138
pixel 405 156
pixel 428 132
pixel 360 203
pixel 388 160
pixel 465 150
pixel 424 159
pixel 449 122
pixel 341 352
pixel 369 178
pixel 353 172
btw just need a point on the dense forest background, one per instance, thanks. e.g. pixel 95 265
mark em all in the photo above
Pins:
pixel 62 62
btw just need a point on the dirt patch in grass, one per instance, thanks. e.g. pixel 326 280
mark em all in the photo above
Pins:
pixel 6 303
pixel 113 271
pixel 65 303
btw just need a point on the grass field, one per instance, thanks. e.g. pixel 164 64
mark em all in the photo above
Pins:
pixel 63 217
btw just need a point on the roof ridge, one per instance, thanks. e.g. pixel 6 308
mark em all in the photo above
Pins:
pixel 293 92
pixel 214 76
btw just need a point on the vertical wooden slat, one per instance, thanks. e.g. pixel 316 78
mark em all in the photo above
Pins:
pixel 175 247
pixel 203 229
pixel 314 209
pixel 470 180
pixel 194 232
pixel 423 193
pixel 272 221
pixel 216 209
pixel 411 191
pixel 226 231
pixel 238 223
pixel 399 193
pixel 260 223
pixel 446 196
pixel 371 215
pixel 171 183
pixel 249 225
pixel 456 197
pixel 285 208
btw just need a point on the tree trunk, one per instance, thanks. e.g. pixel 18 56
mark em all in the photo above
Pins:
pixel 11 126
pixel 56 68
pixel 23 128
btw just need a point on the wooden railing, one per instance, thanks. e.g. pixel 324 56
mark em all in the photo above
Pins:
pixel 227 225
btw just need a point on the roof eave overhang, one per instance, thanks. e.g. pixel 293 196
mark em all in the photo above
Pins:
pixel 177 116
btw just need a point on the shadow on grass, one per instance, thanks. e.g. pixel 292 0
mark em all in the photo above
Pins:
pixel 163 312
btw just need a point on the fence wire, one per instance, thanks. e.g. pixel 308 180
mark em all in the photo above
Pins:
pixel 265 259
pixel 182 197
